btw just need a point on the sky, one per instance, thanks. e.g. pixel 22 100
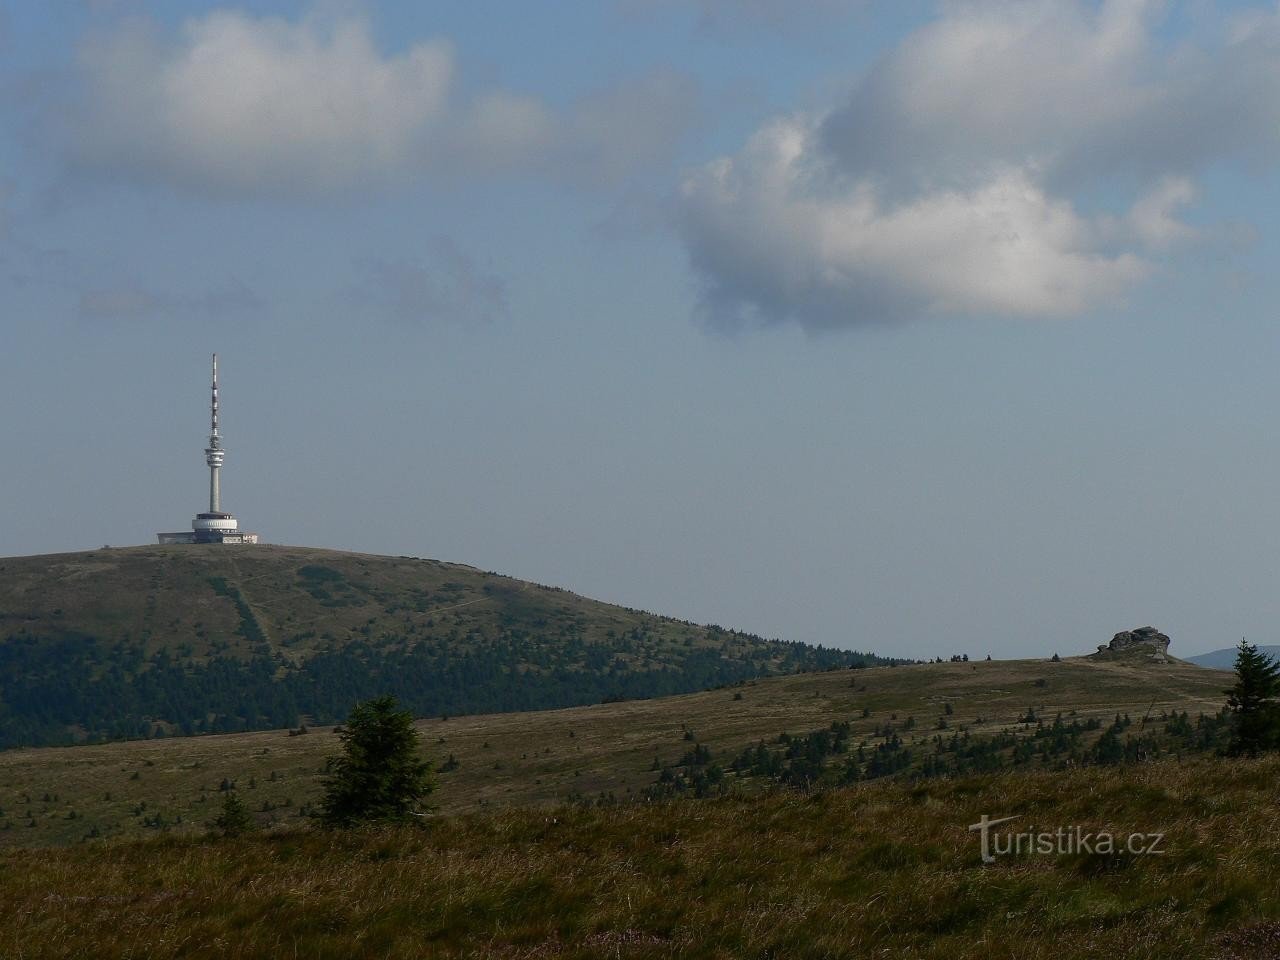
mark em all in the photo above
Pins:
pixel 926 328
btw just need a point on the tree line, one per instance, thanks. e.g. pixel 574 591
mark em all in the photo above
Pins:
pixel 74 687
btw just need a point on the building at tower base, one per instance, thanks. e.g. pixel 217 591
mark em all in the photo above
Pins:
pixel 210 528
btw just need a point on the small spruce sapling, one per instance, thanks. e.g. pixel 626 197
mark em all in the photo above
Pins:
pixel 235 818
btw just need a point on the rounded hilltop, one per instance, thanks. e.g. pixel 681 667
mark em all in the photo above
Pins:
pixel 304 632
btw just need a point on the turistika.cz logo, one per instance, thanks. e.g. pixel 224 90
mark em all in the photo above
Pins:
pixel 1061 841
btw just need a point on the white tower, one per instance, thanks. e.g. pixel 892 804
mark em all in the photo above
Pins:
pixel 214 526
pixel 213 454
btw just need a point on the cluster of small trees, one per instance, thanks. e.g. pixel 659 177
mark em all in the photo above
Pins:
pixel 803 762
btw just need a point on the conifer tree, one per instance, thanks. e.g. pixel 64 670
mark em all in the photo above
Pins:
pixel 1255 714
pixel 380 775
pixel 235 818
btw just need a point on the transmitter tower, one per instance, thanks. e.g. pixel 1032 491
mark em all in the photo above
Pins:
pixel 215 526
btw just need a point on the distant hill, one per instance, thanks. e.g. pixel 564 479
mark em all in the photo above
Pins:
pixel 1225 659
pixel 145 641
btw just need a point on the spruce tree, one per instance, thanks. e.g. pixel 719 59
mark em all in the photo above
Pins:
pixel 1255 714
pixel 235 818
pixel 380 775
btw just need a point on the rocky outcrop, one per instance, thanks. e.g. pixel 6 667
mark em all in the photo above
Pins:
pixel 1146 641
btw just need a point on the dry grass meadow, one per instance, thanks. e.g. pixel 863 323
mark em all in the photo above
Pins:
pixel 880 869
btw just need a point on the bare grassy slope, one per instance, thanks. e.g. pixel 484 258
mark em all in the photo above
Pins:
pixel 162 596
pixel 545 757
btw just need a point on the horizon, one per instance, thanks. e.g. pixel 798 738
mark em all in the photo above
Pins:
pixel 1268 649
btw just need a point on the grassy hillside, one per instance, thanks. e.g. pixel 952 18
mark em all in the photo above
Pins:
pixel 878 869
pixel 183 639
pixel 1040 713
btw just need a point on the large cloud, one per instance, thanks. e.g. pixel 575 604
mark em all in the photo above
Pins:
pixel 1080 90
pixel 777 235
pixel 239 103
pixel 951 180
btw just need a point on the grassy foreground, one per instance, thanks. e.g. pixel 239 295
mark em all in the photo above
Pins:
pixel 886 868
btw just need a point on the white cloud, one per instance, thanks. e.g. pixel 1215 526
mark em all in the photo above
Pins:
pixel 1081 89
pixel 776 236
pixel 954 178
pixel 1017 81
pixel 239 103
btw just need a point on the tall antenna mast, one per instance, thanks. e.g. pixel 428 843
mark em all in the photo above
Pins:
pixel 213 454
pixel 216 526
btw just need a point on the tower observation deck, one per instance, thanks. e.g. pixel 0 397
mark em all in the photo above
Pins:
pixel 215 526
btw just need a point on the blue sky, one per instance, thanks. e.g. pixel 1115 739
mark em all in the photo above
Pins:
pixel 924 328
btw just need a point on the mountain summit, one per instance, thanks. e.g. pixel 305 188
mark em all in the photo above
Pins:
pixel 147 641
